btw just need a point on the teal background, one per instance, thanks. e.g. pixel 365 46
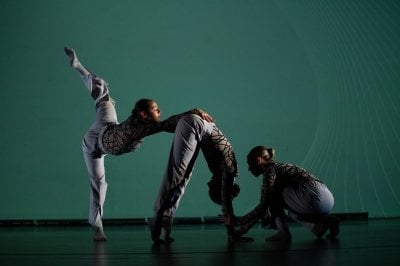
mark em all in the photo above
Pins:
pixel 318 81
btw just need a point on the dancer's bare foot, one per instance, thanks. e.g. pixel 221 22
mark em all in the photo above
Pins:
pixel 99 235
pixel 319 230
pixel 73 59
pixel 155 228
pixel 333 225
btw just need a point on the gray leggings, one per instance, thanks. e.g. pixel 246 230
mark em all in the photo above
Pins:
pixel 307 204
pixel 309 199
pixel 190 131
pixel 94 157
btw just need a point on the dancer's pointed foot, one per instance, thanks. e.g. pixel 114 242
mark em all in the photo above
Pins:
pixel 319 229
pixel 155 227
pixel 73 59
pixel 166 224
pixel 169 239
pixel 333 225
pixel 328 222
pixel 99 235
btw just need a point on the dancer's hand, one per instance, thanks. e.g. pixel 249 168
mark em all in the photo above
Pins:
pixel 204 115
pixel 237 237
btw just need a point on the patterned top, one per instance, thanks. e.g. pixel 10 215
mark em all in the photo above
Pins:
pixel 221 161
pixel 277 176
pixel 128 135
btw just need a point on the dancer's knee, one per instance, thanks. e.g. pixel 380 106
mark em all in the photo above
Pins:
pixel 192 119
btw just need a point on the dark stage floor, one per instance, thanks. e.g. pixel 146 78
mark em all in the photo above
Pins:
pixel 361 242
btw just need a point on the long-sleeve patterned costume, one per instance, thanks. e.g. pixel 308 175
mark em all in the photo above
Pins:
pixel 193 134
pixel 107 136
pixel 286 186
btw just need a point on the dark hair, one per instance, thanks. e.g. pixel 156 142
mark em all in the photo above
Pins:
pixel 261 151
pixel 140 106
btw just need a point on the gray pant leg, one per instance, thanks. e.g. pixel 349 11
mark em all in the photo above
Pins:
pixel 96 86
pixel 98 187
pixel 190 130
pixel 94 158
pixel 308 199
pixel 307 204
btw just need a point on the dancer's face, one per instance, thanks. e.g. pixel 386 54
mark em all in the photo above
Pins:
pixel 255 165
pixel 153 113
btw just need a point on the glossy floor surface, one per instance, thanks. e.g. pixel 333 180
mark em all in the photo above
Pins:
pixel 361 242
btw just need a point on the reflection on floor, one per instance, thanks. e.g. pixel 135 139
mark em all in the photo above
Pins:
pixel 361 242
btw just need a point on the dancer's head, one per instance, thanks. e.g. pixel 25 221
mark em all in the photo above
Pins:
pixel 146 110
pixel 215 187
pixel 258 157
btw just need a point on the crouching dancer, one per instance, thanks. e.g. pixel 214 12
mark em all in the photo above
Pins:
pixel 288 187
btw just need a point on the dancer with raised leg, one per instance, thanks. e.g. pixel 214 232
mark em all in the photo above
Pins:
pixel 107 136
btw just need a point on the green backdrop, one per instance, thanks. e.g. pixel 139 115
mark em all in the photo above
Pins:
pixel 318 81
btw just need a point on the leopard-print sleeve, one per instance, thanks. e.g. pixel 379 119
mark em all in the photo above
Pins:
pixel 250 219
pixel 127 136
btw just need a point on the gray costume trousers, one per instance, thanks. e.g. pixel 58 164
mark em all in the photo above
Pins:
pixel 309 199
pixel 189 133
pixel 308 203
pixel 94 157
